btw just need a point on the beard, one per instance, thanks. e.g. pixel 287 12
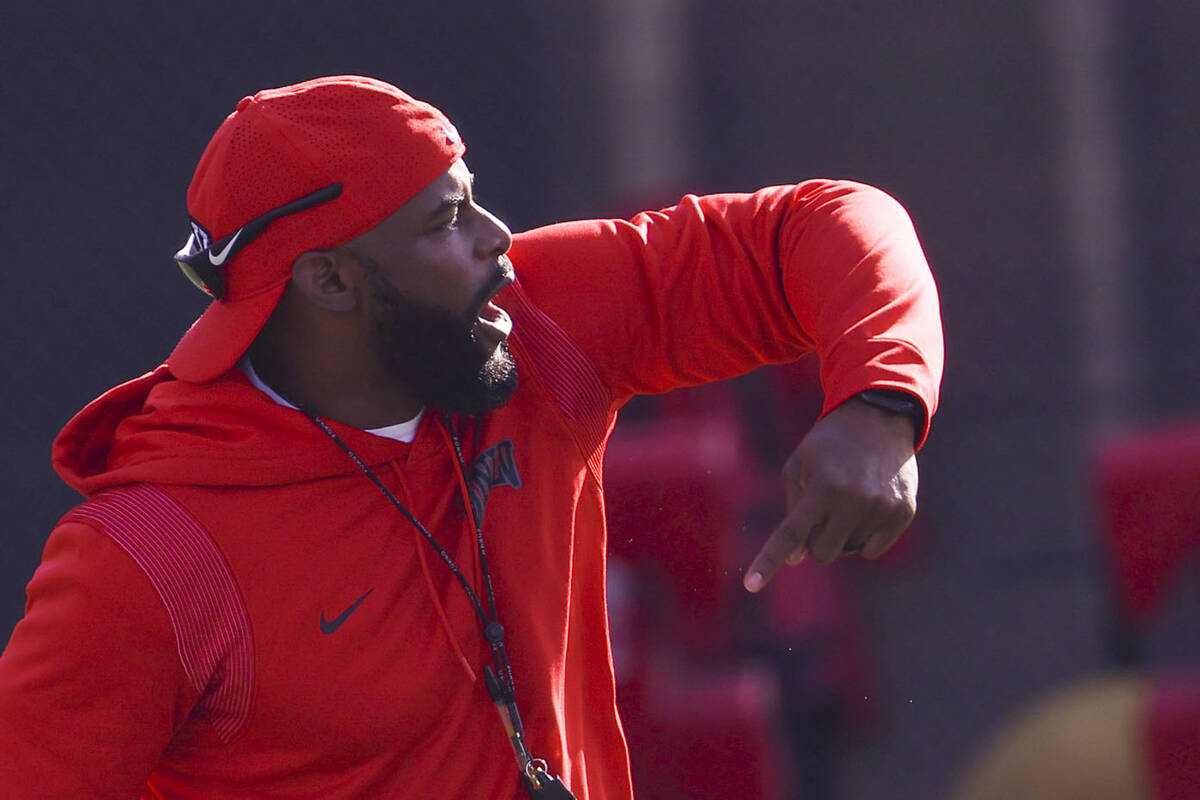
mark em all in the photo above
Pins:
pixel 439 354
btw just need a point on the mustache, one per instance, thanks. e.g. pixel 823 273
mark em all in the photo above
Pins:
pixel 502 276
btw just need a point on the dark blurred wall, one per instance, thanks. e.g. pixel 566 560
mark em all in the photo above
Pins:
pixel 949 106
pixel 1163 91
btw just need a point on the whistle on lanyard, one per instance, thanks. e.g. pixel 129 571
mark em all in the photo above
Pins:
pixel 538 781
pixel 551 787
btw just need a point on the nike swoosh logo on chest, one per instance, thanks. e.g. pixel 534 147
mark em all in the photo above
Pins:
pixel 329 626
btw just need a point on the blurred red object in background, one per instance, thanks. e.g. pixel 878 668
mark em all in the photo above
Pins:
pixel 1148 493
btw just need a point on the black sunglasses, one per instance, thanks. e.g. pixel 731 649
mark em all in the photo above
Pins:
pixel 202 261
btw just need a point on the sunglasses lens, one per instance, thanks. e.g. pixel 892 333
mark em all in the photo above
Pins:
pixel 210 282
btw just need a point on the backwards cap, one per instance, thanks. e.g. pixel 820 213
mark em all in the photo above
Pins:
pixel 382 145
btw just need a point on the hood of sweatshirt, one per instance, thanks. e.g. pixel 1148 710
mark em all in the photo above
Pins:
pixel 159 429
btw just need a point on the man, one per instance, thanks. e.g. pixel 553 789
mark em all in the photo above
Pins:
pixel 348 540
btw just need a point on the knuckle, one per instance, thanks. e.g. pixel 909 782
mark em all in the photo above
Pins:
pixel 904 508
pixel 838 483
pixel 793 472
pixel 791 466
pixel 882 507
pixel 877 547
pixel 791 535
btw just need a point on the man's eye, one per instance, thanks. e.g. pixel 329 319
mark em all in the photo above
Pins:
pixel 448 222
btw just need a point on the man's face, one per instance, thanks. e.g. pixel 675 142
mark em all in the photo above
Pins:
pixel 434 351
pixel 432 268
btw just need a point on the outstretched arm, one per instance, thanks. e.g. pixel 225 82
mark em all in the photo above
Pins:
pixel 719 285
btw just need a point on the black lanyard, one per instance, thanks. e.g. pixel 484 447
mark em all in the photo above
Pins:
pixel 534 773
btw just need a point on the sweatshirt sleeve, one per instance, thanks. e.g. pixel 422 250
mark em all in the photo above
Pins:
pixel 721 284
pixel 91 686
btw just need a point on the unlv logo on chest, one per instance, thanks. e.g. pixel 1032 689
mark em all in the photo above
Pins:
pixel 495 466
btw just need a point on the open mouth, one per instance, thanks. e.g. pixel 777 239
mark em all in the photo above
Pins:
pixel 495 322
pixel 492 323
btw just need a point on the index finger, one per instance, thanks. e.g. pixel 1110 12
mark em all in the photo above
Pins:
pixel 806 517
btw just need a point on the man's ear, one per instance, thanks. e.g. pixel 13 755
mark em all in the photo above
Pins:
pixel 320 276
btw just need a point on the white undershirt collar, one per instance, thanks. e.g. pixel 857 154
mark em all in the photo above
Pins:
pixel 401 431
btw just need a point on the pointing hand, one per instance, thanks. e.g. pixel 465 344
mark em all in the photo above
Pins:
pixel 851 487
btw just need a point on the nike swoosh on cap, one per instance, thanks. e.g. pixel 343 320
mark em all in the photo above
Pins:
pixel 217 259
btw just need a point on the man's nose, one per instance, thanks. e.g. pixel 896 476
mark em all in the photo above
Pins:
pixel 495 239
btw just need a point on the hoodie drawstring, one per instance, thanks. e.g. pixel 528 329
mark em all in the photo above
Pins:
pixel 433 595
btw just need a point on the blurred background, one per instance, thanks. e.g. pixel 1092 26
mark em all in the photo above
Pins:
pixel 1047 152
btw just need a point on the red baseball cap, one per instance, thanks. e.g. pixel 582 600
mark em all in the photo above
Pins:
pixel 381 145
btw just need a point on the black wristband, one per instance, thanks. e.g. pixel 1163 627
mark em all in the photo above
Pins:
pixel 897 402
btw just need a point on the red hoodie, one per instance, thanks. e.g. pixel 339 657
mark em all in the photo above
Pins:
pixel 238 612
